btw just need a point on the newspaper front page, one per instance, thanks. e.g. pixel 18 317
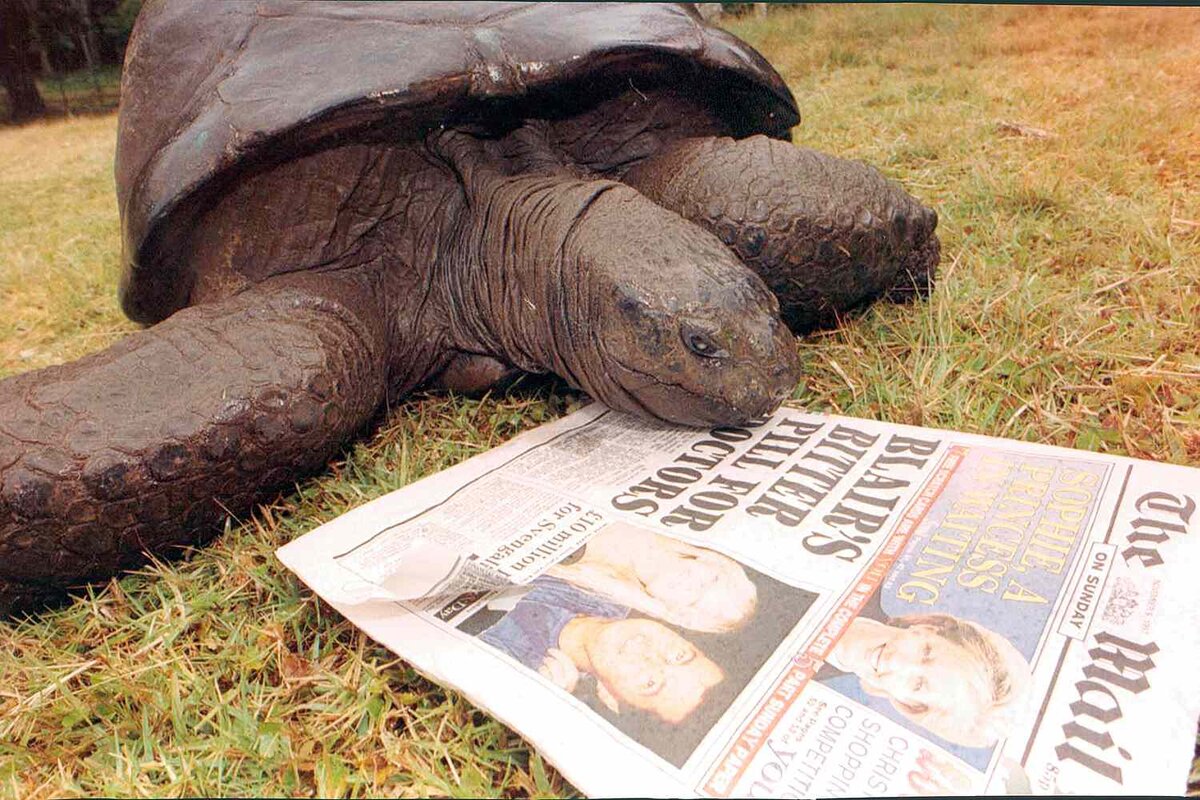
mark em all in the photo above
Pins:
pixel 811 606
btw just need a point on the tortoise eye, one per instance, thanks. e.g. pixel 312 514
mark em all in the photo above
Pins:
pixel 702 345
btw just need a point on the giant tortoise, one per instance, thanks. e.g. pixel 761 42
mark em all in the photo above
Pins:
pixel 327 205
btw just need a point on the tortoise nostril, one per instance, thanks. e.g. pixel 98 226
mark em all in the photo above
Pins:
pixel 752 241
pixel 923 222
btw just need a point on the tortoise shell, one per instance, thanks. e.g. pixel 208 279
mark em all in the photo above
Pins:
pixel 213 88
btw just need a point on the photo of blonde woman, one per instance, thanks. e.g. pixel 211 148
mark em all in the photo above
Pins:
pixel 673 581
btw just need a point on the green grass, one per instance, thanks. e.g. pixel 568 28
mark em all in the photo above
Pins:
pixel 1068 312
pixel 80 92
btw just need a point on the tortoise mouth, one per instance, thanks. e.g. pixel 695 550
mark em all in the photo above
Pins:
pixel 672 401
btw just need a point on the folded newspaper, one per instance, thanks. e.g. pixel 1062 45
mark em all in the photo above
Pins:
pixel 814 605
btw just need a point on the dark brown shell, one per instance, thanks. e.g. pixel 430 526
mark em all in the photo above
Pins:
pixel 215 86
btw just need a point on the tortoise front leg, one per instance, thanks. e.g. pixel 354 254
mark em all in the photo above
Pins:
pixel 827 235
pixel 472 374
pixel 150 444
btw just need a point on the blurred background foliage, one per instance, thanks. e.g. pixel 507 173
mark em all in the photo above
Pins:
pixel 62 56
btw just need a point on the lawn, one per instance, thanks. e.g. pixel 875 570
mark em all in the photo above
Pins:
pixel 1061 149
pixel 80 92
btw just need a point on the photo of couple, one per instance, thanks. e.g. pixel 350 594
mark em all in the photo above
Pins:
pixel 655 635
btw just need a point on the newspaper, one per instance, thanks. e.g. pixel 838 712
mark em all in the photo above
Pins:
pixel 810 606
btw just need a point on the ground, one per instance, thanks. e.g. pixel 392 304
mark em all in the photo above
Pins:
pixel 1060 148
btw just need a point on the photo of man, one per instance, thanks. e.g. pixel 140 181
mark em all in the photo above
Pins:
pixel 663 681
pixel 952 678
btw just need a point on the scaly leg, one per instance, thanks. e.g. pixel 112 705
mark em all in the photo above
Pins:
pixel 150 444
pixel 827 235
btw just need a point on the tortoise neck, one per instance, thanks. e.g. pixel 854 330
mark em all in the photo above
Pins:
pixel 516 290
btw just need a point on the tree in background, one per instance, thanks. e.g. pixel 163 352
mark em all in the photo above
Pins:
pixel 81 34
pixel 16 74
pixel 117 24
pixel 44 38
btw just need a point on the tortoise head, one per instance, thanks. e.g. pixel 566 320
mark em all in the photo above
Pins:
pixel 679 328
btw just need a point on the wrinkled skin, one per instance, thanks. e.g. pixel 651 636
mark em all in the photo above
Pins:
pixel 629 245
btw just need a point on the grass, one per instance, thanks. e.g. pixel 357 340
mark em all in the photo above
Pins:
pixel 82 91
pixel 1060 149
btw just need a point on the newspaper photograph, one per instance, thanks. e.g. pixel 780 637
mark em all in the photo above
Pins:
pixel 808 606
